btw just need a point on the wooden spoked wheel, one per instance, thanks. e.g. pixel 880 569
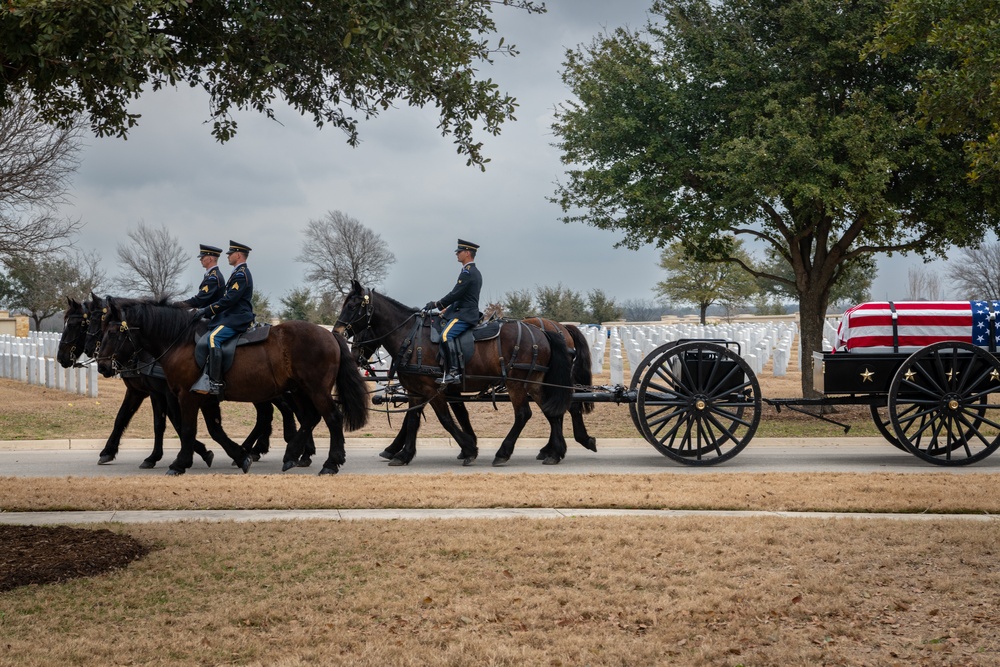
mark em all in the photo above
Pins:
pixel 698 403
pixel 939 404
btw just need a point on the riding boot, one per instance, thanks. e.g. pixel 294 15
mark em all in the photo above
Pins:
pixel 210 381
pixel 453 357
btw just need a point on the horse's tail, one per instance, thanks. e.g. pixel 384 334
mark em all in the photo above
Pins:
pixel 557 392
pixel 351 388
pixel 582 374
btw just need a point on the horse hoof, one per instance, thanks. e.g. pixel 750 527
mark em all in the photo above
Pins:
pixel 105 459
pixel 397 462
pixel 255 456
pixel 304 462
pixel 591 444
pixel 460 457
pixel 550 461
pixel 468 461
pixel 287 465
pixel 328 471
pixel 246 465
pixel 174 473
pixel 386 454
pixel 146 465
pixel 541 456
pixel 499 461
pixel 209 457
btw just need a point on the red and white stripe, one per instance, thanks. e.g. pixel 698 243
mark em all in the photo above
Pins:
pixel 868 327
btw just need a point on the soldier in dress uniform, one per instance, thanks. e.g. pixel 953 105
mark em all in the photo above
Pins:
pixel 210 289
pixel 460 309
pixel 230 316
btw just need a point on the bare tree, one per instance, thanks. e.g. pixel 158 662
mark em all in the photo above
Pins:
pixel 922 285
pixel 36 162
pixel 976 272
pixel 155 261
pixel 338 249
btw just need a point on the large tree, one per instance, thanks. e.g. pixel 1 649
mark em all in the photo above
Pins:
pixel 36 162
pixel 760 119
pixel 961 94
pixel 339 249
pixel 326 59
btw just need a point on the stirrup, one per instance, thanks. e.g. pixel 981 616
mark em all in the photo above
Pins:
pixel 206 385
pixel 449 378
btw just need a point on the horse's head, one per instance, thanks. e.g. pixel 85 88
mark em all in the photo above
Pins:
pixel 98 314
pixel 118 344
pixel 364 344
pixel 74 335
pixel 356 311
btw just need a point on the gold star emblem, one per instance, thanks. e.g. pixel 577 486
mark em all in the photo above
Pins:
pixel 866 376
pixel 909 375
pixel 951 374
pixel 995 375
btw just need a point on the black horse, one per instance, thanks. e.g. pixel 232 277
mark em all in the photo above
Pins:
pixel 144 378
pixel 529 362
pixel 364 346
pixel 74 343
pixel 297 356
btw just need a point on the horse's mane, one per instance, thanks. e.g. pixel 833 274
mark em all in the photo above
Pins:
pixel 169 321
pixel 396 303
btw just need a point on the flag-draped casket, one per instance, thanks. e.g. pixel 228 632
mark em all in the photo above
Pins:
pixel 907 326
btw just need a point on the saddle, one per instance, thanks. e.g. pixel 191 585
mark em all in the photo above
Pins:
pixel 257 334
pixel 467 339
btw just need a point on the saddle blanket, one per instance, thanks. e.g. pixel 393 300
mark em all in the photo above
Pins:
pixel 907 326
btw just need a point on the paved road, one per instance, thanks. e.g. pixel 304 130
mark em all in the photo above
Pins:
pixel 626 456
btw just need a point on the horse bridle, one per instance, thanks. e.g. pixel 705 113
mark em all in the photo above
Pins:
pixel 84 328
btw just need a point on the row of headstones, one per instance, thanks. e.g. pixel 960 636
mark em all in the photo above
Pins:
pixel 32 360
pixel 758 343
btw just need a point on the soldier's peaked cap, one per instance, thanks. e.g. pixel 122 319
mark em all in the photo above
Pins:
pixel 238 247
pixel 208 251
pixel 466 245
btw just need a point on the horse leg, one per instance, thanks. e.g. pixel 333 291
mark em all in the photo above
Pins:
pixel 579 434
pixel 187 433
pixel 469 451
pixel 579 428
pixel 323 403
pixel 213 420
pixel 462 417
pixel 258 442
pixel 157 402
pixel 130 405
pixel 309 443
pixel 557 443
pixel 296 447
pixel 165 407
pixel 522 413
pixel 397 443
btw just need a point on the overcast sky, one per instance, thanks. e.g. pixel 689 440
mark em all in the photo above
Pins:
pixel 404 181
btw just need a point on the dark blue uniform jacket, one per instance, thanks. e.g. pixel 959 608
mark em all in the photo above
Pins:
pixel 235 309
pixel 209 290
pixel 462 301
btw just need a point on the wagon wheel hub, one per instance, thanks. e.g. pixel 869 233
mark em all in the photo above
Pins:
pixel 953 404
pixel 700 404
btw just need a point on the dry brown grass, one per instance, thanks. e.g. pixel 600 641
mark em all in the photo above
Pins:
pixel 834 492
pixel 565 592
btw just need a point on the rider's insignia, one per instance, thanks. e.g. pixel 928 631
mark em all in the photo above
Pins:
pixel 205 288
pixel 236 286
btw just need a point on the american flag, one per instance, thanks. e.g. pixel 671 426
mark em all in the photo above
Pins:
pixel 868 327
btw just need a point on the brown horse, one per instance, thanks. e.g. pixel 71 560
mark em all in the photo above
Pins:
pixel 300 357
pixel 528 362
